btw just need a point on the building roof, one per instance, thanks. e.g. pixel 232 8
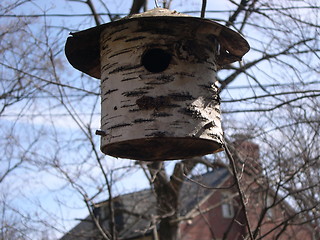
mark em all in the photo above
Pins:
pixel 134 211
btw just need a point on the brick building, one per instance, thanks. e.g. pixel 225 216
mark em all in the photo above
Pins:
pixel 209 208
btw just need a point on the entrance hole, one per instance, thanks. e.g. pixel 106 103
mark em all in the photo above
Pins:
pixel 156 60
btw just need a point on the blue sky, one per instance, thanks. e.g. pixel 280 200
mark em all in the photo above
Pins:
pixel 42 188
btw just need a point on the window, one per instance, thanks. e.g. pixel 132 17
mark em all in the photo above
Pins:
pixel 269 202
pixel 227 206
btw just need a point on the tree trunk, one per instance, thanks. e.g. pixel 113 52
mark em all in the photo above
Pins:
pixel 167 194
pixel 169 229
pixel 167 202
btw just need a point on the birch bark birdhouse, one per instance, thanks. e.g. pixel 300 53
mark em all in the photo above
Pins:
pixel 159 98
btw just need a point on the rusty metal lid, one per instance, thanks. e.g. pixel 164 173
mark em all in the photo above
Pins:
pixel 83 48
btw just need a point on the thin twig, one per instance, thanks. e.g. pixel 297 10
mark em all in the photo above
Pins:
pixel 241 195
pixel 94 13
pixel 234 16
pixel 208 187
pixel 111 17
pixel 137 5
pixel 156 3
pixel 109 187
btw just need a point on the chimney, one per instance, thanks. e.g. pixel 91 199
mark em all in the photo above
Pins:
pixel 247 154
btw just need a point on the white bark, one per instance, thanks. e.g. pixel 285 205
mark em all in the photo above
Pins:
pixel 171 114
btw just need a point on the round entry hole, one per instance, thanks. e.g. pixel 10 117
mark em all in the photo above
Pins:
pixel 156 60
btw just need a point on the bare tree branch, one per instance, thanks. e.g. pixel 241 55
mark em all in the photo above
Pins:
pixel 137 5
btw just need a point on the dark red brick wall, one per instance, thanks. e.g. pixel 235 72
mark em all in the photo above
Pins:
pixel 210 224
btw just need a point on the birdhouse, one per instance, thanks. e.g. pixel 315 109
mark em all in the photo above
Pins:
pixel 159 98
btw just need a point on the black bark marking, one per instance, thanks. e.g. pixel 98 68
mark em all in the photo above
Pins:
pixel 134 72
pixel 157 103
pixel 215 98
pixel 119 53
pixel 181 96
pixel 113 117
pixel 110 91
pixel 193 113
pixel 210 87
pixel 104 79
pixel 162 79
pixel 158 134
pixel 118 30
pixel 119 125
pixel 217 110
pixel 179 123
pixel 104 99
pixel 215 136
pixel 119 38
pixel 127 105
pixel 209 125
pixel 190 50
pixel 135 110
pixel 161 114
pixel 151 129
pixel 116 136
pixel 107 38
pixel 185 74
pixel 106 52
pixel 105 124
pixel 104 117
pixel 108 66
pixel 134 93
pixel 146 88
pixel 128 79
pixel 125 68
pixel 141 120
pixel 205 86
pixel 135 38
pixel 104 46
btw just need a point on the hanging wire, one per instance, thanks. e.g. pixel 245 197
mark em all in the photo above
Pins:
pixel 203 8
